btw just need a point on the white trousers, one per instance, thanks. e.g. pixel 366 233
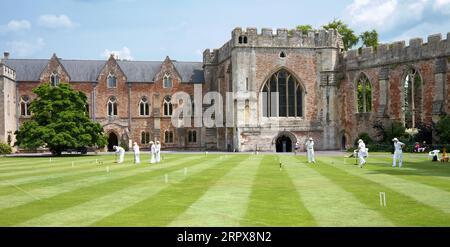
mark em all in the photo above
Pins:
pixel 397 156
pixel 152 159
pixel 120 158
pixel 362 161
pixel 158 157
pixel 137 159
pixel 311 156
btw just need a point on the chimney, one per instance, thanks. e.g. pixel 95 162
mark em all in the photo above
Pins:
pixel 5 55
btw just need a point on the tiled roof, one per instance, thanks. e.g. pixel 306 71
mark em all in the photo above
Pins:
pixel 88 70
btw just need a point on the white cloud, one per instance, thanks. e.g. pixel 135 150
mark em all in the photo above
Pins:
pixel 15 26
pixel 442 5
pixel 24 48
pixel 123 54
pixel 56 22
pixel 399 18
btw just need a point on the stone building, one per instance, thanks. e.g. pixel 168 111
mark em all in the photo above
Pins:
pixel 276 89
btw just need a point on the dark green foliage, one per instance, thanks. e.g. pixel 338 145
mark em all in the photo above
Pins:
pixel 369 39
pixel 348 36
pixel 365 137
pixel 425 133
pixel 59 121
pixel 443 129
pixel 5 148
pixel 303 28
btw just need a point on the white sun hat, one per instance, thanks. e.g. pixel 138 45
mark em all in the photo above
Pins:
pixel 395 140
pixel 310 139
pixel 360 140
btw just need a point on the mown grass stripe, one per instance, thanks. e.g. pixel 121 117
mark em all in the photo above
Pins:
pixel 401 209
pixel 61 165
pixel 435 175
pixel 106 205
pixel 274 200
pixel 327 201
pixel 425 194
pixel 162 208
pixel 112 182
pixel 225 202
pixel 77 169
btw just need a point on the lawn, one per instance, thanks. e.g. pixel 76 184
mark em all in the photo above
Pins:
pixel 222 190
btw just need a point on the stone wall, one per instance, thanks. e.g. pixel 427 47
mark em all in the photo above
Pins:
pixel 7 104
pixel 386 69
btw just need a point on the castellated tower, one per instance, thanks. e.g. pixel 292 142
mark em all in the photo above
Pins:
pixel 300 68
pixel 8 103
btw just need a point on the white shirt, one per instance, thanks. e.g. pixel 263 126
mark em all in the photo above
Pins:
pixel 310 144
pixel 120 150
pixel 136 149
pixel 362 147
pixel 398 146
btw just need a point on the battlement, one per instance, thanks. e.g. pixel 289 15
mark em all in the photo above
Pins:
pixel 6 71
pixel 398 52
pixel 282 38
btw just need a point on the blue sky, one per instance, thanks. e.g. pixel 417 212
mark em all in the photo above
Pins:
pixel 182 29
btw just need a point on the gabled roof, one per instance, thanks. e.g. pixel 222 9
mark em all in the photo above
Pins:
pixel 140 71
pixel 27 69
pixel 190 71
pixel 83 70
pixel 88 70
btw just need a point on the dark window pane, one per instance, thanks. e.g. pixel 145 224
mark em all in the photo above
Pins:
pixel 299 102
pixel 291 97
pixel 282 95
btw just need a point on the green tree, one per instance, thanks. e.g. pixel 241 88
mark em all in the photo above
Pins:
pixel 348 36
pixel 302 28
pixel 59 121
pixel 443 129
pixel 369 38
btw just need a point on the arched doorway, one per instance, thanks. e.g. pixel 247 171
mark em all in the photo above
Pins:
pixel 112 141
pixel 283 144
pixel 343 142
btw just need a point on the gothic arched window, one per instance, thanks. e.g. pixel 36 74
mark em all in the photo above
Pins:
pixel 192 136
pixel 288 102
pixel 144 109
pixel 167 81
pixel 25 106
pixel 168 136
pixel 412 98
pixel 54 79
pixel 112 106
pixel 167 106
pixel 363 94
pixel 145 137
pixel 112 81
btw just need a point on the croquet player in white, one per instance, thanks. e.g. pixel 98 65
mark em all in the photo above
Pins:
pixel 310 150
pixel 398 153
pixel 362 152
pixel 158 152
pixel 137 152
pixel 121 152
pixel 152 152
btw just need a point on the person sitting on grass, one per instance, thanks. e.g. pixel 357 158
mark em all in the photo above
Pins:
pixel 434 155
pixel 445 157
pixel 416 147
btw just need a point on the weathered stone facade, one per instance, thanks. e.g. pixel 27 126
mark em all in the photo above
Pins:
pixel 325 75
